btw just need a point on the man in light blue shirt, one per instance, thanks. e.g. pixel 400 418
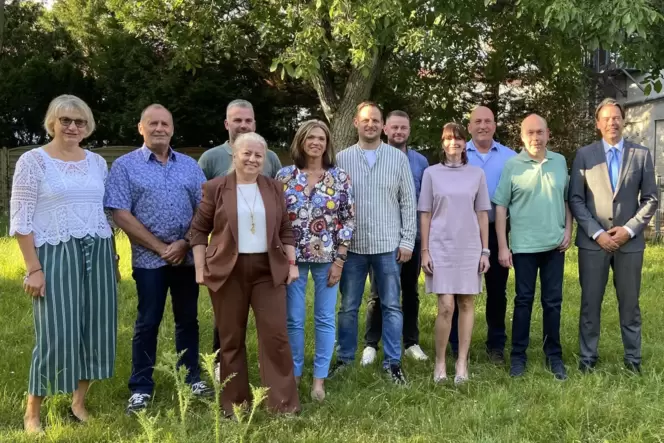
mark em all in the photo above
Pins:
pixel 484 152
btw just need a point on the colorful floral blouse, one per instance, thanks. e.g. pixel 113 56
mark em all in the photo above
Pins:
pixel 323 220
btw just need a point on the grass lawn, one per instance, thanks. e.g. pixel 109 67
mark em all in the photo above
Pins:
pixel 362 406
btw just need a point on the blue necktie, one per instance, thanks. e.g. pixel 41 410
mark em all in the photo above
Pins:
pixel 614 167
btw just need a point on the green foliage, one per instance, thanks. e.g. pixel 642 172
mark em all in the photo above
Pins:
pixel 295 60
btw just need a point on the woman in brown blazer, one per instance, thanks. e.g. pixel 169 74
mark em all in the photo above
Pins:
pixel 249 262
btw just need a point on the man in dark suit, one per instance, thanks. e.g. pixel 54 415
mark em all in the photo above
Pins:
pixel 613 196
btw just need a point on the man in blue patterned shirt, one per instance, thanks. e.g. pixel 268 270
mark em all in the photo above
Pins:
pixel 397 129
pixel 153 193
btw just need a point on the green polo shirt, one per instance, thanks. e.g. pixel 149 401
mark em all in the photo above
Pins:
pixel 216 162
pixel 535 195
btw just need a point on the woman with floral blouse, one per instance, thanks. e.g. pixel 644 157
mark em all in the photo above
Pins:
pixel 319 200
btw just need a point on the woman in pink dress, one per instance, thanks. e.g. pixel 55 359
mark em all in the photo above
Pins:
pixel 455 233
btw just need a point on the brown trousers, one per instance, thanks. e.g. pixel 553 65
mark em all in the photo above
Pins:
pixel 250 284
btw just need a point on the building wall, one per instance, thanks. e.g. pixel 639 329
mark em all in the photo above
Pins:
pixel 644 122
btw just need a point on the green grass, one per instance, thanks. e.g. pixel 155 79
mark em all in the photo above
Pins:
pixel 362 406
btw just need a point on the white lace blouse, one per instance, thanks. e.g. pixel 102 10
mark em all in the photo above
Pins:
pixel 56 200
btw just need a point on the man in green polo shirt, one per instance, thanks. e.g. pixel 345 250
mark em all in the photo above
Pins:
pixel 533 188
pixel 216 162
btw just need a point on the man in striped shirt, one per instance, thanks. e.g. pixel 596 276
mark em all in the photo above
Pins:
pixel 384 237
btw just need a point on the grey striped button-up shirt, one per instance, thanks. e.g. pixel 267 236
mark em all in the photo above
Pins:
pixel 385 204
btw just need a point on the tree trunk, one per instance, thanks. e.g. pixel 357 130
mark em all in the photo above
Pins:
pixel 2 23
pixel 340 113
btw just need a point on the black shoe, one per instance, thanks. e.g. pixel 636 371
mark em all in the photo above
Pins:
pixel 338 367
pixel 517 369
pixel 394 371
pixel 495 356
pixel 202 390
pixel 138 402
pixel 558 369
pixel 587 367
pixel 633 367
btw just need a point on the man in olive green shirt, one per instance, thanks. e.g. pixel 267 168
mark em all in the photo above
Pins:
pixel 533 188
pixel 216 162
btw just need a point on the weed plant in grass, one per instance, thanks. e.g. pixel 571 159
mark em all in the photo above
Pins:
pixel 362 405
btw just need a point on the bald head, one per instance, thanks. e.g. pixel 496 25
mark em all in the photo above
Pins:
pixel 533 119
pixel 482 127
pixel 535 136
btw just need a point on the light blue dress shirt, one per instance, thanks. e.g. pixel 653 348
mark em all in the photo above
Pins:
pixel 492 164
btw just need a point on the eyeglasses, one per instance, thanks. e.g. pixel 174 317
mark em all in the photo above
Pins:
pixel 79 122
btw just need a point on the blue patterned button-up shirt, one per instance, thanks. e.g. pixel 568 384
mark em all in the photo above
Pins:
pixel 162 197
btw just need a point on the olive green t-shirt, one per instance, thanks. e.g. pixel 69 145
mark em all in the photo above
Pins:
pixel 216 162
pixel 535 195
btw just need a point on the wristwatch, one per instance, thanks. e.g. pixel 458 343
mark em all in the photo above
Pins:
pixel 342 257
pixel 486 252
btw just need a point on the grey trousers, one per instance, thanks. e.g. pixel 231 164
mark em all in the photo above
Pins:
pixel 593 276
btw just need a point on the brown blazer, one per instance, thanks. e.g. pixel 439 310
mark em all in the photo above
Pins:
pixel 217 214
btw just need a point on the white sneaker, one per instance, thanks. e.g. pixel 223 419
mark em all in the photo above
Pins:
pixel 368 356
pixel 217 372
pixel 415 352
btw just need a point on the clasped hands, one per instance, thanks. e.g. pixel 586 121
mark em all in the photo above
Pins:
pixel 613 239
pixel 174 253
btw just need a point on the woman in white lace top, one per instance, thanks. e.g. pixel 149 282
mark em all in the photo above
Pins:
pixel 57 215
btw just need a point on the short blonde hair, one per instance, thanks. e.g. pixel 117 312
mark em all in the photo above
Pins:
pixel 249 137
pixel 64 103
pixel 246 138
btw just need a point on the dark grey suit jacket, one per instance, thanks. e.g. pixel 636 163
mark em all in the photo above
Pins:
pixel 595 206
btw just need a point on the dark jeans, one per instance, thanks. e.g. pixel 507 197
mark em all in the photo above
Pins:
pixel 496 302
pixel 152 286
pixel 551 265
pixel 410 305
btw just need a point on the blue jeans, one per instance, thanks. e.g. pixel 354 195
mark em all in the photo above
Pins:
pixel 152 286
pixel 387 273
pixel 325 303
pixel 551 265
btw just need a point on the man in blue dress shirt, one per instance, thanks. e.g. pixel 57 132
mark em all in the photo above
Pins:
pixel 153 193
pixel 397 129
pixel 486 153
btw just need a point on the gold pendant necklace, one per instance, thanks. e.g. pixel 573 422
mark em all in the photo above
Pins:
pixel 251 210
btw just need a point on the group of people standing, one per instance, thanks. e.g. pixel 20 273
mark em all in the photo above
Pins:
pixel 252 232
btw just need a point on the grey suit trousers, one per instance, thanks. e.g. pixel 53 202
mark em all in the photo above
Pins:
pixel 593 276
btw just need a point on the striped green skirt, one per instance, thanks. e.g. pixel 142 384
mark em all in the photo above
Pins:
pixel 76 321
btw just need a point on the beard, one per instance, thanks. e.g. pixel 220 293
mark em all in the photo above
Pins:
pixel 397 144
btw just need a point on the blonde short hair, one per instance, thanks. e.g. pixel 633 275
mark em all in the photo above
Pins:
pixel 249 137
pixel 64 103
pixel 246 138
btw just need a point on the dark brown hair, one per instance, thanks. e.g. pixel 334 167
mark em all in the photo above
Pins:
pixel 297 147
pixel 458 132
